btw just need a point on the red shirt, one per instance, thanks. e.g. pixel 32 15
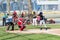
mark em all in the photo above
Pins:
pixel 20 22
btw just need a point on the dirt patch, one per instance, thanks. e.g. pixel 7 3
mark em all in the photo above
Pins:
pixel 37 31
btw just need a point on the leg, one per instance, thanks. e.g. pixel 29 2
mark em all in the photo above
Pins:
pixel 44 25
pixel 41 24
pixel 8 26
pixel 33 21
pixel 19 26
pixel 3 21
pixel 22 28
pixel 12 26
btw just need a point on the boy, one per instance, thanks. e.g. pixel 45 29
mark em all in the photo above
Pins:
pixel 21 24
pixel 42 21
pixel 34 19
pixel 9 23
pixel 15 17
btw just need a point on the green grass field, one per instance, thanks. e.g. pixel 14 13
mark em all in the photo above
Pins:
pixel 10 36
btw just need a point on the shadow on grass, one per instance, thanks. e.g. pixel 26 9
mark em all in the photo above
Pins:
pixel 19 36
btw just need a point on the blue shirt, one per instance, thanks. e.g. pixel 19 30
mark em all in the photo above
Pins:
pixel 5 16
pixel 9 19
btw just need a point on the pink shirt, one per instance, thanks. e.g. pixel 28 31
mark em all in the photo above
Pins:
pixel 38 18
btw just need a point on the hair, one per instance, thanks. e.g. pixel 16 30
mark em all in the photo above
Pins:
pixel 34 12
pixel 41 13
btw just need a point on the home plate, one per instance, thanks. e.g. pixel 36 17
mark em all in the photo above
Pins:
pixel 37 31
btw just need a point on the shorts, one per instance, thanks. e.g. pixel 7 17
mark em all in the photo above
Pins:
pixel 9 23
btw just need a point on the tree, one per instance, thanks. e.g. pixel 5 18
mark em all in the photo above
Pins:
pixel 29 9
pixel 8 6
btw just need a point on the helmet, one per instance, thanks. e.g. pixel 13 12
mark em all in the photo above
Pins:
pixel 14 12
pixel 21 19
pixel 41 12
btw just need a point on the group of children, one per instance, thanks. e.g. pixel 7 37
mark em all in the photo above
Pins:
pixel 11 19
pixel 14 19
pixel 39 20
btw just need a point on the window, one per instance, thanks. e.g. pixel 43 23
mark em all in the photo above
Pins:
pixel 0 7
pixel 47 0
pixel 42 0
pixel 14 6
pixel 52 7
pixel 52 0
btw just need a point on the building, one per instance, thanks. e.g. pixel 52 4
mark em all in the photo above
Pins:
pixel 46 5
pixel 37 5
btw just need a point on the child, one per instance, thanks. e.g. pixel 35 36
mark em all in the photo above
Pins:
pixel 9 23
pixel 42 21
pixel 15 17
pixel 38 19
pixel 21 24
pixel 34 19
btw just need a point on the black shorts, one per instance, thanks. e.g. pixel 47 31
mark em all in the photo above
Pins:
pixel 9 23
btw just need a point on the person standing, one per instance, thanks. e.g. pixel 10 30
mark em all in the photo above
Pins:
pixel 9 23
pixel 34 19
pixel 42 21
pixel 15 17
pixel 4 19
